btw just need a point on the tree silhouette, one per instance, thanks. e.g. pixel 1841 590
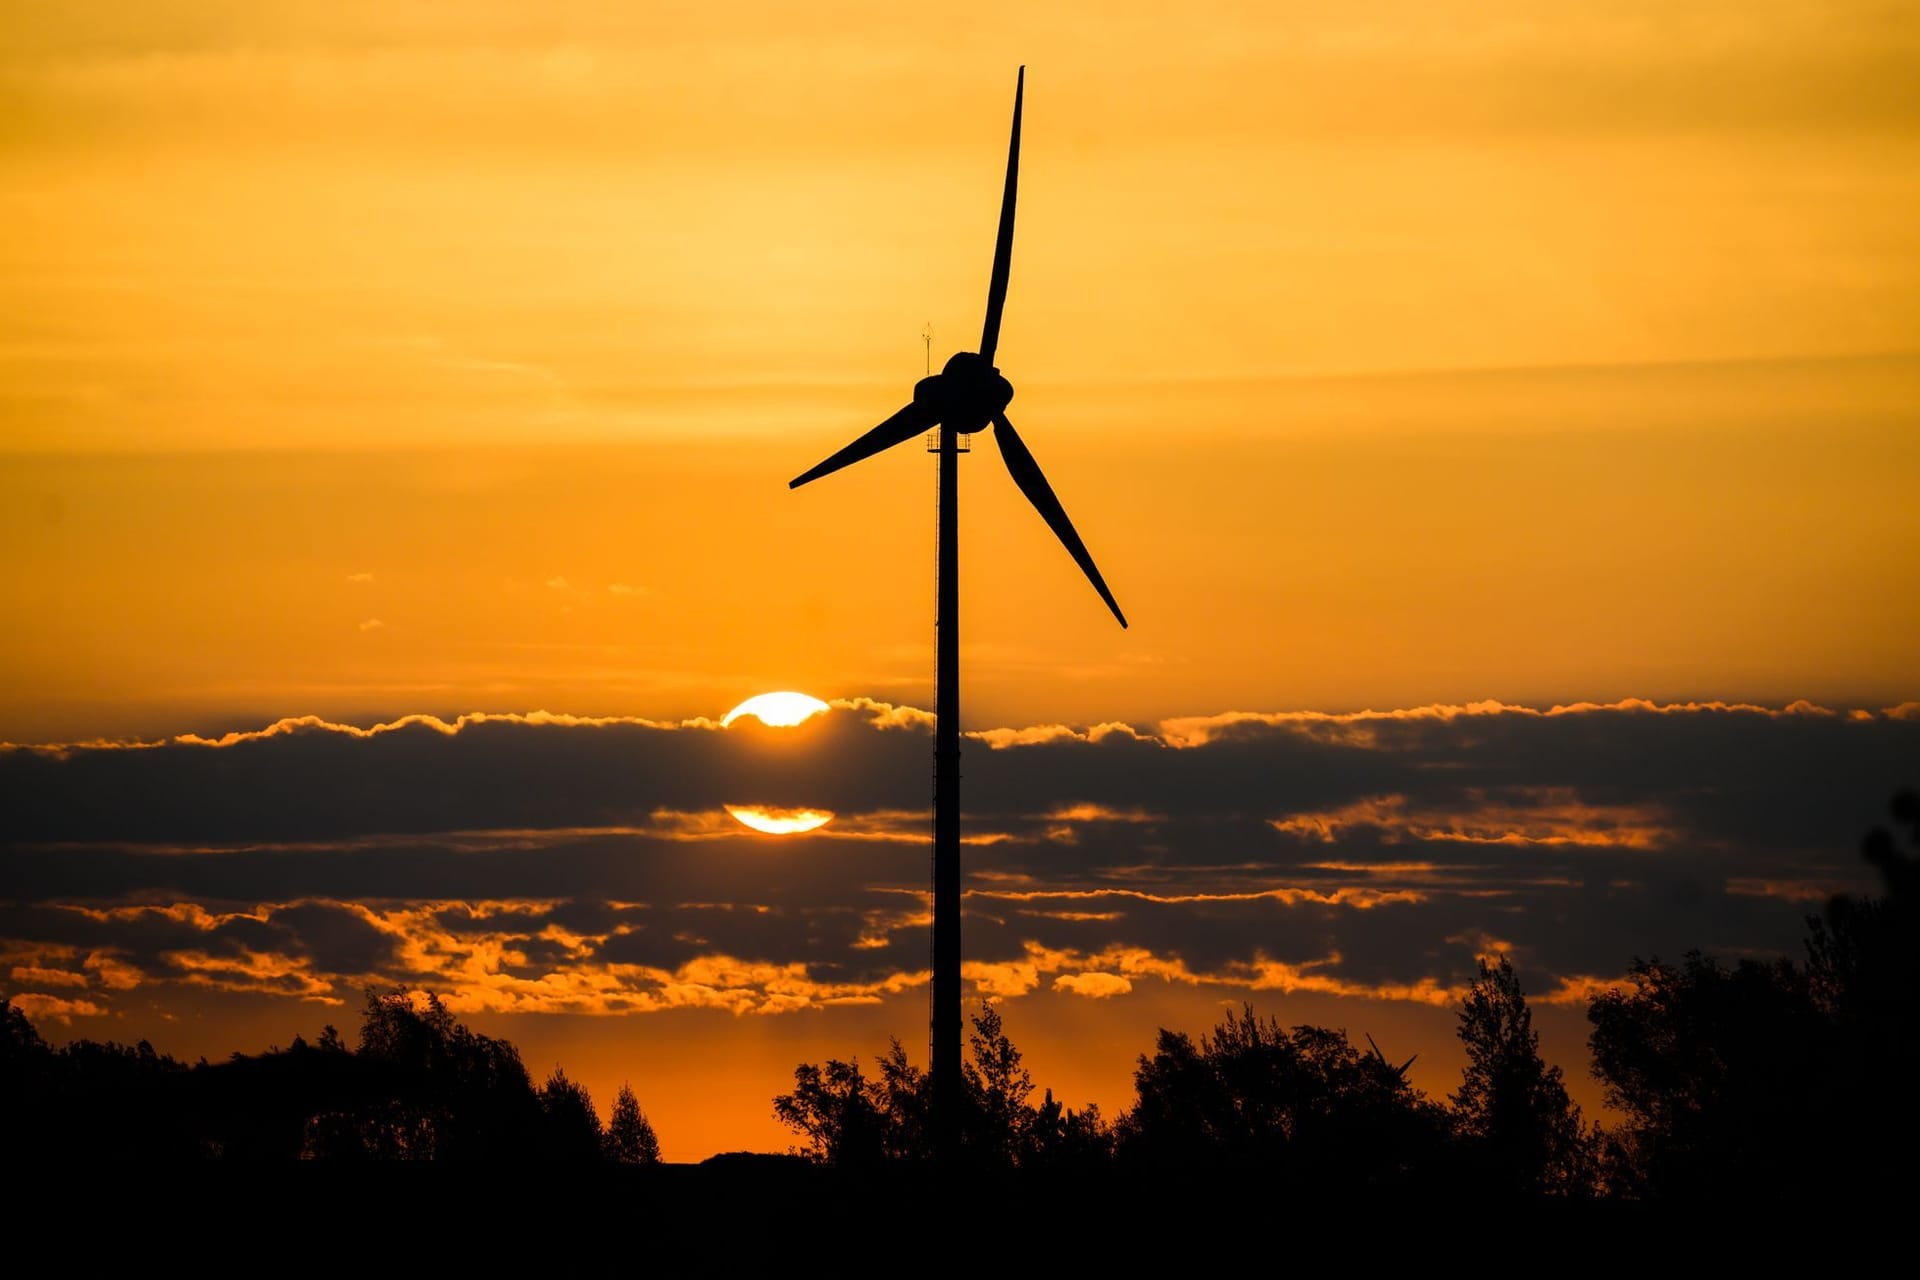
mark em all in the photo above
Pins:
pixel 630 1138
pixel 420 1087
pixel 25 1059
pixel 88 1101
pixel 1060 1137
pixel 572 1133
pixel 997 1088
pixel 1712 1067
pixel 19 1041
pixel 1765 1081
pixel 905 1100
pixel 840 1113
pixel 1863 957
pixel 1523 1132
pixel 1301 1107
pixel 429 1089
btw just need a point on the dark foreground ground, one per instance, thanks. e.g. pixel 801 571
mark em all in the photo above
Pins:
pixel 739 1214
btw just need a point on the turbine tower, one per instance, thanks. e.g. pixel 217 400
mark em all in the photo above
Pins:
pixel 966 396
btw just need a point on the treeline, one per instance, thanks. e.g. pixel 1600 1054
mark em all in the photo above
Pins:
pixel 1759 1081
pixel 419 1086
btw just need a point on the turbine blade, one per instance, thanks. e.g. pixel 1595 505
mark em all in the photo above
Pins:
pixel 1026 474
pixel 1003 246
pixel 904 425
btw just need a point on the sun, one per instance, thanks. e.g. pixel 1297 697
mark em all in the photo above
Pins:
pixel 779 822
pixel 778 711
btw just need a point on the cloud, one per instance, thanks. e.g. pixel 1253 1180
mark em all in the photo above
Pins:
pixel 544 862
pixel 503 957
pixel 303 724
pixel 1319 977
pixel 1362 898
pixel 1360 728
pixel 1578 989
pixel 887 715
pixel 253 971
pixel 1096 984
pixel 1523 816
pixel 111 973
pixel 1786 890
pixel 1035 735
pixel 1000 739
pixel 1086 812
pixel 1001 978
pixel 371 624
pixel 32 975
pixel 45 1008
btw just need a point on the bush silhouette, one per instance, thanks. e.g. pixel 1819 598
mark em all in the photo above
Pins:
pixel 850 1120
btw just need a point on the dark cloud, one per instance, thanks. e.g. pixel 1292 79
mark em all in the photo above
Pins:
pixel 334 938
pixel 544 862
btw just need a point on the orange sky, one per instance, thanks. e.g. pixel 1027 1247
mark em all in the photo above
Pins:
pixel 362 359
pixel 1384 353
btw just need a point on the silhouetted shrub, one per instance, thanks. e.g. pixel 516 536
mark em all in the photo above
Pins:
pixel 850 1120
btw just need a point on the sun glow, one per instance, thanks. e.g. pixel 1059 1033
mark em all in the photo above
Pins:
pixel 778 710
pixel 779 822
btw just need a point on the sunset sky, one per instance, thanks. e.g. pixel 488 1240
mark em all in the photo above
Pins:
pixel 1497 420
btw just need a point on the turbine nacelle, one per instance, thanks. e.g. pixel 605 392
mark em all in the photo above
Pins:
pixel 966 394
pixel 970 364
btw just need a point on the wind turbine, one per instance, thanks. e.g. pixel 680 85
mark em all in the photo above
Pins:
pixel 965 396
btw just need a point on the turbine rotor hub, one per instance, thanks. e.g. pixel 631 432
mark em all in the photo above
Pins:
pixel 966 394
